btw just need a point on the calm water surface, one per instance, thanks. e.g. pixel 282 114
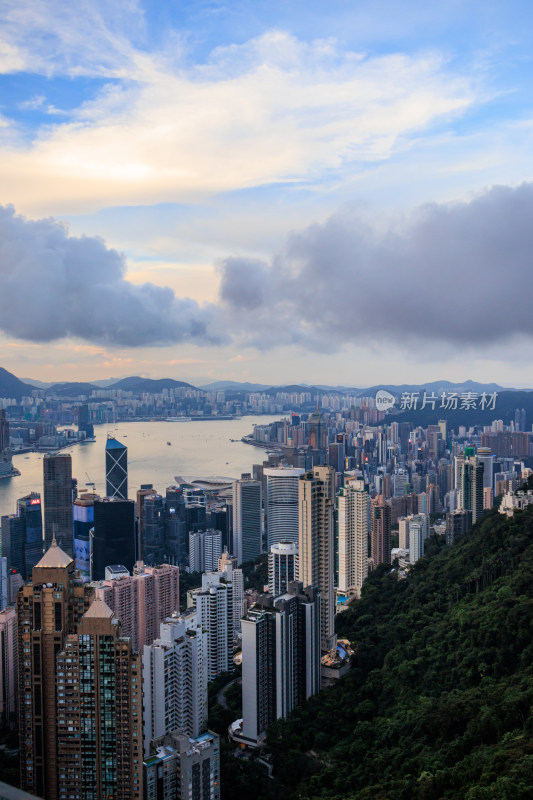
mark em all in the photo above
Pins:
pixel 197 448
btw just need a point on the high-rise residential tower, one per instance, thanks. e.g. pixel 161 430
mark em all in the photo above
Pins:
pixel 57 497
pixel 8 667
pixel 380 527
pixel 471 487
pixel 353 504
pixel 282 567
pixel 281 658
pixel 317 542
pixel 99 711
pixel 175 679
pixel 142 601
pixel 48 609
pixel 116 469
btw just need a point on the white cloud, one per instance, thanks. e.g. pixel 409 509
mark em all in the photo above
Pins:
pixel 271 110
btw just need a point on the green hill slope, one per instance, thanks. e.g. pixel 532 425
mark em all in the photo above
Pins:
pixel 437 704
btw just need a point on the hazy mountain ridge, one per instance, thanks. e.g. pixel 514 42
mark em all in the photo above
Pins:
pixel 11 386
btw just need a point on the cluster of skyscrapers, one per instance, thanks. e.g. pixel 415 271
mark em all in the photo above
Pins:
pixel 107 677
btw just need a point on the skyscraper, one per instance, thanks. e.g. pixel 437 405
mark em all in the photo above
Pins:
pixel 99 711
pixel 205 548
pixel 247 519
pixel 281 659
pixel 175 679
pixel 153 538
pixel 214 609
pixel 83 523
pixel 282 503
pixel 48 609
pixel 142 601
pixel 353 504
pixel 4 431
pixel 282 567
pixel 183 767
pixel 380 531
pixel 113 541
pixel 22 535
pixel 316 543
pixel 8 667
pixel 471 487
pixel 116 469
pixel 57 497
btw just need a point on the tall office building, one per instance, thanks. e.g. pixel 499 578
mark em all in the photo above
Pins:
pixel 83 523
pixel 214 609
pixel 380 531
pixel 205 548
pixel 4 590
pixel 176 536
pixel 316 563
pixel 182 767
pixel 175 679
pixel 99 711
pixel 48 609
pixel 4 431
pixel 57 497
pixel 281 659
pixel 353 512
pixel 153 522
pixel 8 667
pixel 142 601
pixel 113 539
pixel 22 535
pixel 247 519
pixel 282 503
pixel 282 567
pixel 116 469
pixel 471 487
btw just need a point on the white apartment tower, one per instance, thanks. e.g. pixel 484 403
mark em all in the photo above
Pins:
pixel 353 507
pixel 214 608
pixel 282 567
pixel 174 672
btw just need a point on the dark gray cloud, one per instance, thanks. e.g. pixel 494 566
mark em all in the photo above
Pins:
pixel 54 285
pixel 460 274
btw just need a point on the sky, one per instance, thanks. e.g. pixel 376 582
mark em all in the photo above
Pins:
pixel 279 192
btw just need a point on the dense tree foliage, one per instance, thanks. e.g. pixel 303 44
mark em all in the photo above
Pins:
pixel 437 703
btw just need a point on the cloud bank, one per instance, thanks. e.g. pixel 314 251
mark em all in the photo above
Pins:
pixel 271 110
pixel 53 285
pixel 458 274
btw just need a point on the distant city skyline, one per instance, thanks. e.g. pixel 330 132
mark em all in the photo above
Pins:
pixel 293 195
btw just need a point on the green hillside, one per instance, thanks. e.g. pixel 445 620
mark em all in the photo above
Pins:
pixel 438 702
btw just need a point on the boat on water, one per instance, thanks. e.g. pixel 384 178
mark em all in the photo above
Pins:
pixel 178 419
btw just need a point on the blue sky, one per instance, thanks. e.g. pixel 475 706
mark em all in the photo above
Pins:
pixel 185 134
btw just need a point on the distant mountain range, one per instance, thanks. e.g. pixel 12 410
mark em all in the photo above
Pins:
pixel 11 386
